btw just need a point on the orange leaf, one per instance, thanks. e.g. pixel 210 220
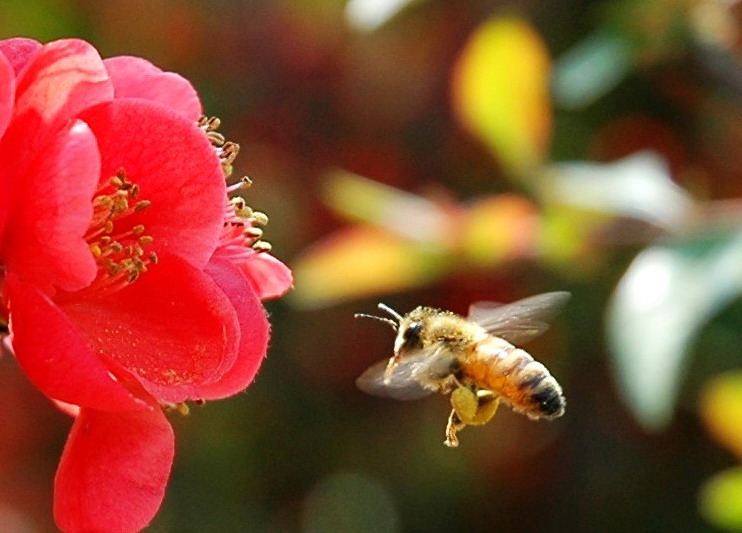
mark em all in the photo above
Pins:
pixel 361 261
pixel 500 228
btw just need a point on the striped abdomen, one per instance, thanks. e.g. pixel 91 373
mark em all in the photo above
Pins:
pixel 512 373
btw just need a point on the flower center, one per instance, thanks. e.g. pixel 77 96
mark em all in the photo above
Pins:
pixel 118 248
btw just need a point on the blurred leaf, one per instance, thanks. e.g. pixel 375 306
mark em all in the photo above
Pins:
pixel 500 92
pixel 638 186
pixel 721 409
pixel 500 228
pixel 567 237
pixel 368 15
pixel 667 295
pixel 364 200
pixel 361 261
pixel 590 69
pixel 721 499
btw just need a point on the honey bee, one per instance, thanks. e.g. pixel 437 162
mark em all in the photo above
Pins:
pixel 474 360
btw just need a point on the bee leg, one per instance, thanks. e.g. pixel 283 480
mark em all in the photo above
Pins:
pixel 487 404
pixel 389 370
pixel 465 406
pixel 452 428
pixel 448 385
pixel 470 408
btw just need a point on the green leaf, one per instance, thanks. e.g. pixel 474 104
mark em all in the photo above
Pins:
pixel 721 499
pixel 591 69
pixel 666 296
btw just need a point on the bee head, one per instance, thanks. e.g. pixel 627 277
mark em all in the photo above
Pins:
pixel 415 330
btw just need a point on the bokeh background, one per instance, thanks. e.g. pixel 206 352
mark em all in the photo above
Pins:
pixel 441 152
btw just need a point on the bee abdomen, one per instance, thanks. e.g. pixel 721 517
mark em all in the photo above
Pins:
pixel 513 374
pixel 542 396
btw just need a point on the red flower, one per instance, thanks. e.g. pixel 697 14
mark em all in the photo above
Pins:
pixel 124 285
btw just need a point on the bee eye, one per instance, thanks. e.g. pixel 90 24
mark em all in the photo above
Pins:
pixel 412 333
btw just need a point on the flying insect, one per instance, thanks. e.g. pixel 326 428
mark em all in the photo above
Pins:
pixel 474 360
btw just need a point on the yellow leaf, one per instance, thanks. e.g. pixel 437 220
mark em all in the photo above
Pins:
pixel 500 87
pixel 721 409
pixel 361 261
pixel 402 213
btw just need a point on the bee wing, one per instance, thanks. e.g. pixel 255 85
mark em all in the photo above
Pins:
pixel 402 384
pixel 520 321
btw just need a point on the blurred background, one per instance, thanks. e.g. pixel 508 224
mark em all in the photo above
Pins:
pixel 441 152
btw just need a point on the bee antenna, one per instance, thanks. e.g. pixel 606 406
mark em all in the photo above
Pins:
pixel 389 321
pixel 391 311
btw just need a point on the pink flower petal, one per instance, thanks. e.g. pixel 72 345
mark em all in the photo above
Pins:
pixel 268 276
pixel 113 472
pixel 134 77
pixel 7 97
pixel 173 328
pixel 19 51
pixel 179 174
pixel 63 78
pixel 45 242
pixel 7 93
pixel 55 356
pixel 254 329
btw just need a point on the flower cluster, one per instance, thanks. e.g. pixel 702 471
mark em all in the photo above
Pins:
pixel 129 281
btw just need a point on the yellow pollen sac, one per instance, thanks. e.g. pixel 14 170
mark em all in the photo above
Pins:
pixel 217 139
pixel 141 206
pixel 259 218
pixel 229 153
pixel 262 246
pixel 254 233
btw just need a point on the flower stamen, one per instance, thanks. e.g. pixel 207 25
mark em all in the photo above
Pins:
pixel 242 225
pixel 121 255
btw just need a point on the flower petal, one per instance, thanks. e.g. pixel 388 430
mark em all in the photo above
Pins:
pixel 7 93
pixel 254 331
pixel 45 242
pixel 268 276
pixel 173 328
pixel 134 77
pixel 7 97
pixel 113 472
pixel 176 169
pixel 55 356
pixel 63 78
pixel 19 51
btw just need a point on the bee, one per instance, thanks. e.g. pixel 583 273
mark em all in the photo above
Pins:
pixel 474 360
